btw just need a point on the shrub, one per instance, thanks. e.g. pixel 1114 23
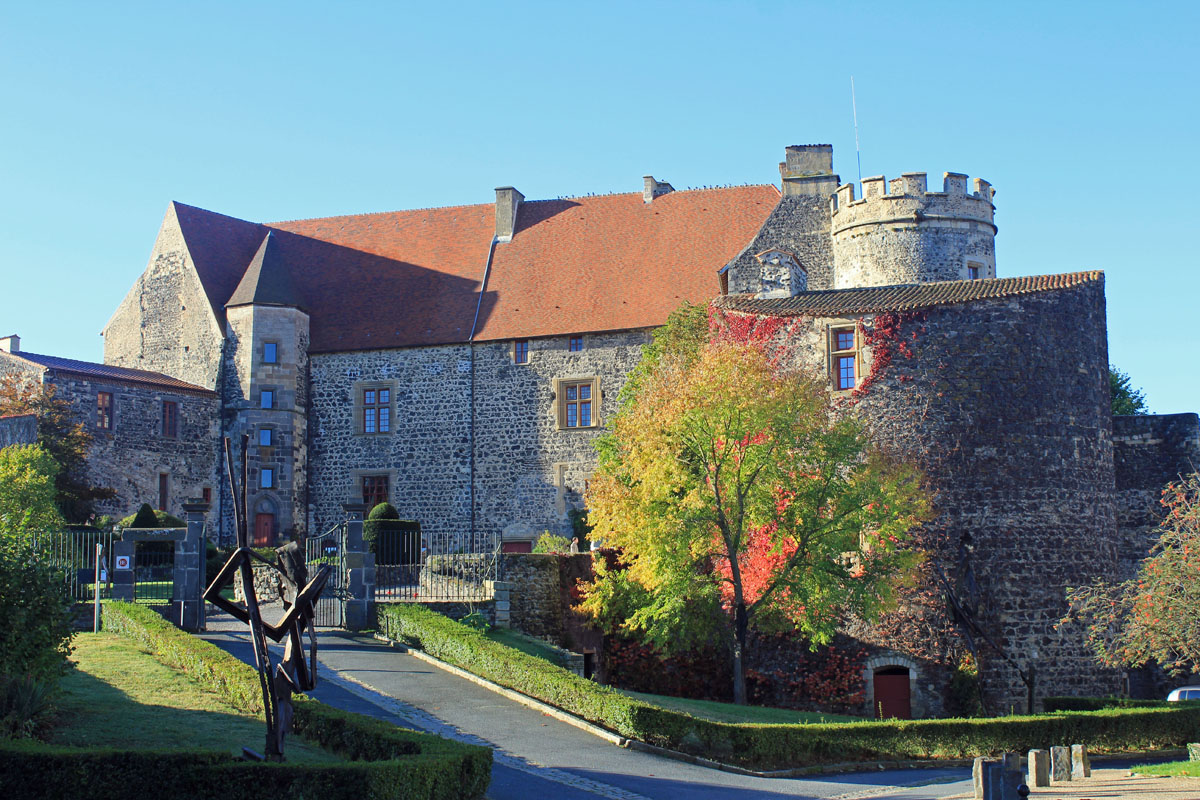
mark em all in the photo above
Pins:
pixel 391 539
pixel 147 517
pixel 36 612
pixel 26 707
pixel 552 543
pixel 779 746
pixel 1052 704
pixel 392 762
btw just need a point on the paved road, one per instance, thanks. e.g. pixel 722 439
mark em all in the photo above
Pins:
pixel 538 756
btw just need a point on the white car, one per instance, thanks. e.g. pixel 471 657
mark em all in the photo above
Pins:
pixel 1184 693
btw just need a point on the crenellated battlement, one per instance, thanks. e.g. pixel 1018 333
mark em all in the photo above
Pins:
pixel 907 200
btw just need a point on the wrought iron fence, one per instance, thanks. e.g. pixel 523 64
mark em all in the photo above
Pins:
pixel 154 573
pixel 73 555
pixel 404 571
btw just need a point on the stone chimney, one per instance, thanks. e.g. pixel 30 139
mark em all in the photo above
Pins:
pixel 508 201
pixel 652 188
pixel 10 344
pixel 808 169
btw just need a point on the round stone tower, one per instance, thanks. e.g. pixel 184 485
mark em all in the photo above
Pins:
pixel 903 233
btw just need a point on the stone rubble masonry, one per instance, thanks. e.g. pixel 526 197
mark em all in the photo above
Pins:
pixel 529 472
pixel 1149 452
pixel 18 429
pixel 131 455
pixel 1016 451
pixel 134 453
pixel 165 323
pixel 798 225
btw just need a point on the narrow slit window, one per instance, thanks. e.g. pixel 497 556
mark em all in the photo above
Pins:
pixel 104 410
pixel 170 418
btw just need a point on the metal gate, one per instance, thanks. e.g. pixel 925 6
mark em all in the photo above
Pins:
pixel 328 548
pixel 154 573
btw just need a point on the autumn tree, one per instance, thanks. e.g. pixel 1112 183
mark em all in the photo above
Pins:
pixel 1152 618
pixel 740 499
pixel 63 437
pixel 1126 399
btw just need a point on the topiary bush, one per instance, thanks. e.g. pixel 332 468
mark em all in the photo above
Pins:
pixel 147 517
pixel 552 543
pixel 391 539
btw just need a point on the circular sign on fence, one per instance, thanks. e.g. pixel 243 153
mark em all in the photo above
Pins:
pixel 123 562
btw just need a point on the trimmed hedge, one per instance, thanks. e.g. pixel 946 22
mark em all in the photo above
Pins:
pixel 770 747
pixel 386 761
pixel 1097 703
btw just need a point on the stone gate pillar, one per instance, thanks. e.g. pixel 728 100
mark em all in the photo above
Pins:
pixel 122 569
pixel 189 569
pixel 358 607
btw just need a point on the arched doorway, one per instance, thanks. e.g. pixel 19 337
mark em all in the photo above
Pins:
pixel 264 522
pixel 893 692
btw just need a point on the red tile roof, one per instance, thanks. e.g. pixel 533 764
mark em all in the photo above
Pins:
pixel 408 278
pixel 907 297
pixel 107 372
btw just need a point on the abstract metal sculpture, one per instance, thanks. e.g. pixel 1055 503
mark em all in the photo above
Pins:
pixel 294 673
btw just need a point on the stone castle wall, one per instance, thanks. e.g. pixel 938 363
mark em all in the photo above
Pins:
pixel 1003 404
pixel 426 456
pixel 529 471
pixel 130 457
pixel 798 225
pixel 165 323
pixel 1149 452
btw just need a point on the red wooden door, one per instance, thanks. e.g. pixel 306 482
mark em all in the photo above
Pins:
pixel 264 530
pixel 516 547
pixel 892 694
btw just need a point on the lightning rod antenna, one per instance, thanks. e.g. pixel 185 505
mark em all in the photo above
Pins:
pixel 857 150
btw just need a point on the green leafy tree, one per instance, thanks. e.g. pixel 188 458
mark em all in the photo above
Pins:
pixel 1125 398
pixel 35 636
pixel 27 492
pixel 1152 618
pixel 739 498
pixel 63 437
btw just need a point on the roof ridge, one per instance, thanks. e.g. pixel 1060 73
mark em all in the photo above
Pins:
pixel 378 213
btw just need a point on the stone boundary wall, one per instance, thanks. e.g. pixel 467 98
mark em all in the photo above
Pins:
pixel 542 596
pixel 18 429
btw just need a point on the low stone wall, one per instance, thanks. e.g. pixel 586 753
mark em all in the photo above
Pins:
pixel 18 429
pixel 542 595
pixel 266 585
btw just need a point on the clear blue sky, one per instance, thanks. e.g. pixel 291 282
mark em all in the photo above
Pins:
pixel 1083 116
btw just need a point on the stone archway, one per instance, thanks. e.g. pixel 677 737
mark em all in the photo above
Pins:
pixel 891 681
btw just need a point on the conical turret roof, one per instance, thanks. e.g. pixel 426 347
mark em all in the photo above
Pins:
pixel 267 280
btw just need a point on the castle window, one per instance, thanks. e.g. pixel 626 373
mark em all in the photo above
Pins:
pixel 104 410
pixel 576 402
pixel 170 418
pixel 843 360
pixel 270 353
pixel 377 410
pixel 576 344
pixel 374 489
pixel 266 399
pixel 374 411
pixel 164 484
pixel 206 494
pixel 266 477
pixel 520 353
pixel 266 437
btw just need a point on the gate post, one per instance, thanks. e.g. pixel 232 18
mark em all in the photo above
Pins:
pixel 188 562
pixel 359 604
pixel 122 569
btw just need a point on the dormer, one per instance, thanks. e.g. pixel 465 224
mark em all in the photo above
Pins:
pixel 780 274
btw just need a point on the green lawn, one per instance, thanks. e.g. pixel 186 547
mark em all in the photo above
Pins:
pixel 526 644
pixel 120 696
pixel 728 712
pixel 1189 769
